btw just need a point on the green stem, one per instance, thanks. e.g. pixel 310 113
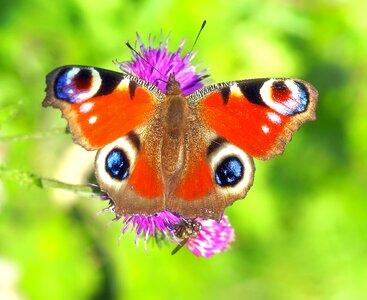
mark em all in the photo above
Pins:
pixel 33 136
pixel 83 189
pixel 28 178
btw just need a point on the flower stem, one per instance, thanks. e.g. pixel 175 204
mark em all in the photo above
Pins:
pixel 28 178
pixel 33 136
pixel 82 189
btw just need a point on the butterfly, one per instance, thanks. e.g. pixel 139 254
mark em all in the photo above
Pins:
pixel 191 155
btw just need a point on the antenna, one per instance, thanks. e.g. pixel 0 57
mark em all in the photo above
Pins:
pixel 138 54
pixel 197 36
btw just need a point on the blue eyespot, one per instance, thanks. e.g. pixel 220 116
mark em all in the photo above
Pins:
pixel 117 164
pixel 71 83
pixel 63 90
pixel 229 172
pixel 303 97
pixel 289 98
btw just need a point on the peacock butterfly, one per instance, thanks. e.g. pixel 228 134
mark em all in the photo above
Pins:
pixel 167 152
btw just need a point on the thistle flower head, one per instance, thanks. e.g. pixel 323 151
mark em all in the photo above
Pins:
pixel 202 237
pixel 156 64
pixel 151 226
pixel 214 237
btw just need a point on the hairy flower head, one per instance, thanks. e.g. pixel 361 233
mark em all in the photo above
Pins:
pixel 156 64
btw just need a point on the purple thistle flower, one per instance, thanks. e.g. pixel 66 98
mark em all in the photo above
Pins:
pixel 153 226
pixel 214 237
pixel 156 64
pixel 202 237
pixel 162 223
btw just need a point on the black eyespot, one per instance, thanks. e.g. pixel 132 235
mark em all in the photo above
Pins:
pixel 117 164
pixel 229 172
pixel 280 86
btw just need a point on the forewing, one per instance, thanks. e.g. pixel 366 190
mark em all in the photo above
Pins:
pixel 259 115
pixel 100 106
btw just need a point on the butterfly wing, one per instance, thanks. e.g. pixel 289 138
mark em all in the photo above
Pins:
pixel 216 174
pixel 128 170
pixel 113 112
pixel 100 105
pixel 233 122
pixel 259 115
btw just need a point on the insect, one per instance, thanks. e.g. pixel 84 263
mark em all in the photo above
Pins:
pixel 192 155
pixel 184 231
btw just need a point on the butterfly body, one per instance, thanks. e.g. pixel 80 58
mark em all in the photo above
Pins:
pixel 167 151
pixel 174 126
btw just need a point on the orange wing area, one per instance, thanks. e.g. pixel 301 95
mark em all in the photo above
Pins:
pixel 144 178
pixel 103 119
pixel 254 128
pixel 197 181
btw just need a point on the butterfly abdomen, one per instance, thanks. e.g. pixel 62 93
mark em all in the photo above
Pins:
pixel 174 128
pixel 176 117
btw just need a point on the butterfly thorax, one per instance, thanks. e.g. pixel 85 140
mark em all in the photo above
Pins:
pixel 173 86
pixel 175 116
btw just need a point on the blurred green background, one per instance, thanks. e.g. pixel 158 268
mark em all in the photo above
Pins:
pixel 301 232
